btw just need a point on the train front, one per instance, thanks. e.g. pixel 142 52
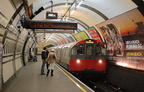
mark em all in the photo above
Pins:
pixel 88 56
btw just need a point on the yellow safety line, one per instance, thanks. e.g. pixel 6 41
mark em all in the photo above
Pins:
pixel 72 80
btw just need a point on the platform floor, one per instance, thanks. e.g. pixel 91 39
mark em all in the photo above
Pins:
pixel 30 80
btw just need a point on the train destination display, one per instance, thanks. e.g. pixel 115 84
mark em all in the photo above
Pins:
pixel 50 25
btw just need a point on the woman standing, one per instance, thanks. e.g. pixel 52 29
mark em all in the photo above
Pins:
pixel 51 61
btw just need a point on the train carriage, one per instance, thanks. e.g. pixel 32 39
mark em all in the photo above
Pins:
pixel 82 56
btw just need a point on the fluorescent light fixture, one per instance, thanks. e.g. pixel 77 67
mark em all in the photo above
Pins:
pixel 79 4
pixel 74 3
pixel 67 18
pixel 66 3
pixel 72 12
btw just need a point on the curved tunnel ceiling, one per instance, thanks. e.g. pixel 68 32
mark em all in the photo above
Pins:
pixel 88 14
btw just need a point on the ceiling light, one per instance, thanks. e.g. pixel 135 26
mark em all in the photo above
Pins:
pixel 72 12
pixel 79 4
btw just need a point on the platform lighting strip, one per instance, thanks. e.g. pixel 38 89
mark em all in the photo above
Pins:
pixel 72 79
pixel 79 3
pixel 67 3
pixel 72 11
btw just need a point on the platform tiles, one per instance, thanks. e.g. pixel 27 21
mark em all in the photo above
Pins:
pixel 30 80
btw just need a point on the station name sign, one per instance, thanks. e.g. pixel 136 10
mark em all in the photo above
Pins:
pixel 30 24
pixel 51 15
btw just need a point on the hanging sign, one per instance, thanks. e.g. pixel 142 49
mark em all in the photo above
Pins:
pixel 51 15
pixel 29 24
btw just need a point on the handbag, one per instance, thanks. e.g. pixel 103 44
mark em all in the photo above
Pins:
pixel 47 60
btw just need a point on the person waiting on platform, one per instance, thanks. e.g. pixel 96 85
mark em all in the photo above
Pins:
pixel 44 55
pixel 35 58
pixel 51 61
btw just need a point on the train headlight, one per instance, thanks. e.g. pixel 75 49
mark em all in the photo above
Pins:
pixel 78 61
pixel 100 61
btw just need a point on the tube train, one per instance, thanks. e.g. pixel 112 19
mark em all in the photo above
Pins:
pixel 83 56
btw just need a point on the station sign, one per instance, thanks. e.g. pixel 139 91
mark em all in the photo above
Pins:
pixel 31 24
pixel 51 15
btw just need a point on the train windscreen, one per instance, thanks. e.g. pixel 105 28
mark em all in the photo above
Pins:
pixel 78 49
pixel 88 50
pixel 100 50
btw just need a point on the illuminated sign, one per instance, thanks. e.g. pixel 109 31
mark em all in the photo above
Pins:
pixel 89 41
pixel 50 25
pixel 50 15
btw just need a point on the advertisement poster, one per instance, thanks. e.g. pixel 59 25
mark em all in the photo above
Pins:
pixel 94 34
pixel 112 36
pixel 81 36
pixel 124 36
pixel 0 64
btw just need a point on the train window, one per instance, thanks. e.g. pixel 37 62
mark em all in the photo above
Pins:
pixel 89 50
pixel 66 51
pixel 103 50
pixel 74 50
pixel 58 52
pixel 78 50
pixel 98 49
pixel 63 51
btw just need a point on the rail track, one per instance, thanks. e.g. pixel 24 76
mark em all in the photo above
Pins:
pixel 103 86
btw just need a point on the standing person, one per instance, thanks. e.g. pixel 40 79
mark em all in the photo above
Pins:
pixel 44 55
pixel 47 52
pixel 51 61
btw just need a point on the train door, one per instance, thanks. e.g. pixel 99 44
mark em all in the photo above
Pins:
pixel 77 61
pixel 89 57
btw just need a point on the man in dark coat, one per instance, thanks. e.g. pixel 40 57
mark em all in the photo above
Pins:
pixel 44 55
